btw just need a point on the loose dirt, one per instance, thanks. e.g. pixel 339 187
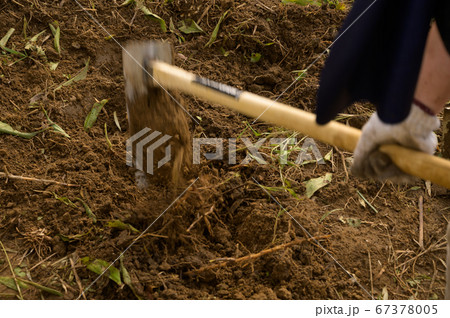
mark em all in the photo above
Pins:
pixel 229 211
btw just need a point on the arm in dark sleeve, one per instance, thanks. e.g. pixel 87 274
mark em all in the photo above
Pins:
pixel 443 21
pixel 376 58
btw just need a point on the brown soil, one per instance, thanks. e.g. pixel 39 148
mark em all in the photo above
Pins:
pixel 225 213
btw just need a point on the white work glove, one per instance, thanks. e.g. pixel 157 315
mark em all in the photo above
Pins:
pixel 415 132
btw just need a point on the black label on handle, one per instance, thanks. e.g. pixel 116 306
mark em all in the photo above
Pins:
pixel 222 88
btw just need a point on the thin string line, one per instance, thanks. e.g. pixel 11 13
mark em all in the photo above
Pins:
pixel 135 240
pixel 314 62
pixel 316 241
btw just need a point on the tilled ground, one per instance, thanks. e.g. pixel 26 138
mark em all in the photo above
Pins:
pixel 238 232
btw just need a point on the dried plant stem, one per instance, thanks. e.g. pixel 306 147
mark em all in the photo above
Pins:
pixel 433 247
pixel 371 274
pixel 42 261
pixel 77 279
pixel 254 256
pixel 11 176
pixel 12 271
pixel 421 222
pixel 204 215
pixel 343 162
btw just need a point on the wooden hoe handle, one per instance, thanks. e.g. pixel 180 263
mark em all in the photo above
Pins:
pixel 410 161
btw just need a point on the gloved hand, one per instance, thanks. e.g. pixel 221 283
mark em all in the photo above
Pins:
pixel 415 132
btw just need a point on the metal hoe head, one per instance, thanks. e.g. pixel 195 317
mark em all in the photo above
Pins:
pixel 137 64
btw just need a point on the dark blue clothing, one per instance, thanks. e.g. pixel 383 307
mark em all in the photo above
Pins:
pixel 378 58
pixel 442 16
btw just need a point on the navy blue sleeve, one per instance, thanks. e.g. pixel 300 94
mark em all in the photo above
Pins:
pixel 376 57
pixel 443 21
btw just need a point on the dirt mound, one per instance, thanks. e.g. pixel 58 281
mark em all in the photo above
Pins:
pixel 241 217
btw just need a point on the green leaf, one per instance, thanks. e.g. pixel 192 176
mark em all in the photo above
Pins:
pixel 126 2
pixel 19 272
pixel 301 74
pixel 80 76
pixel 32 42
pixel 55 126
pixel 10 283
pixel 315 184
pixel 172 29
pixel 93 114
pixel 341 6
pixel 98 266
pixel 327 214
pixel 303 2
pixel 257 134
pixel 125 274
pixel 433 296
pixel 292 192
pixel 255 57
pixel 354 222
pixel 225 53
pixel 189 26
pixel 329 155
pixel 368 203
pixel 25 26
pixel 153 16
pixel 7 129
pixel 14 52
pixel 216 29
pixel 88 210
pixel 53 65
pixel 64 200
pixel 40 52
pixel 126 278
pixel 172 26
pixel 44 288
pixel 72 238
pixel 5 39
pixel 58 129
pixel 56 34
pixel 122 226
